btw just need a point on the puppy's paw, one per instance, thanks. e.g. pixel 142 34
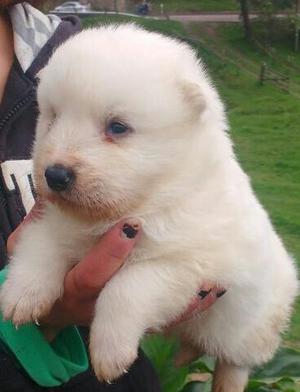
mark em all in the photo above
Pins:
pixel 26 301
pixel 110 357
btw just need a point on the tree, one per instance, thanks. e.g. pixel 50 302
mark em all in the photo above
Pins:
pixel 267 10
pixel 297 25
pixel 272 6
pixel 246 19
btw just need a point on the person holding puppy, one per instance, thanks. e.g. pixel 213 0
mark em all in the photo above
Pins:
pixel 51 354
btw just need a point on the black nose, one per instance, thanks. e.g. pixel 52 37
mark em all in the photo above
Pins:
pixel 59 178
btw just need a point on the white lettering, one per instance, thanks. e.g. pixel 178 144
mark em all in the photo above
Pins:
pixel 19 173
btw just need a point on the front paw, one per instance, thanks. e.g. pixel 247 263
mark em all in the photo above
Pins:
pixel 110 356
pixel 26 300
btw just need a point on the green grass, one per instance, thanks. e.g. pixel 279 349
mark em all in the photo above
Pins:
pixel 266 134
pixel 163 26
pixel 187 6
pixel 265 130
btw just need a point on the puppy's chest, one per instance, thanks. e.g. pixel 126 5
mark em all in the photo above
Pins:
pixel 152 246
pixel 76 239
pixel 75 248
pixel 156 251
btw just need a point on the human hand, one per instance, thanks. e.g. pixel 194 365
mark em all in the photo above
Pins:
pixel 208 294
pixel 85 281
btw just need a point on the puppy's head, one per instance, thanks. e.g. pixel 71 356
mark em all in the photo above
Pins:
pixel 119 109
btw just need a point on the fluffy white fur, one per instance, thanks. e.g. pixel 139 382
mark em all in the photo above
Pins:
pixel 177 173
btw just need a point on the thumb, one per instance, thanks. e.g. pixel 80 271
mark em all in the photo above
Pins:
pixel 88 277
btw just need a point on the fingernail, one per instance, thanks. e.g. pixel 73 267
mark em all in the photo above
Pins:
pixel 204 293
pixel 220 293
pixel 130 230
pixel 36 321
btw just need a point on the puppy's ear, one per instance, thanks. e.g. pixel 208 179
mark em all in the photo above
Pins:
pixel 193 97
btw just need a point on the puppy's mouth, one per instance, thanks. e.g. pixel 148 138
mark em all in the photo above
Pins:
pixel 56 198
pixel 80 196
pixel 87 205
pixel 60 183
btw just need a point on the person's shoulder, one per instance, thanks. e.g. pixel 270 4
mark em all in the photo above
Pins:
pixel 36 35
pixel 67 27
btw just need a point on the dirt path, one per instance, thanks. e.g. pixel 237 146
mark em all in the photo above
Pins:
pixel 228 17
pixel 218 17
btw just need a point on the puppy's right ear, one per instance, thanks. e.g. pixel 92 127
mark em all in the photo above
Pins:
pixel 193 97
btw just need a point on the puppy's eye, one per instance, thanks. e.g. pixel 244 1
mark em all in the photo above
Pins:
pixel 117 128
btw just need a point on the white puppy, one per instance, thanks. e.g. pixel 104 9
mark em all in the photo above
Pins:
pixel 131 126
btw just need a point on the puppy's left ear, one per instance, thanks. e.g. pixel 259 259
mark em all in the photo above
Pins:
pixel 193 97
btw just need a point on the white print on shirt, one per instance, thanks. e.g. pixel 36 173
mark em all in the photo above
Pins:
pixel 18 174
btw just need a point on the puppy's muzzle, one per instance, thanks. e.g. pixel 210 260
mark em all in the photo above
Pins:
pixel 59 178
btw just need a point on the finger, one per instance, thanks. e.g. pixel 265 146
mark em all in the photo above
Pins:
pixel 208 300
pixel 88 277
pixel 69 311
pixel 203 301
pixel 206 297
pixel 35 212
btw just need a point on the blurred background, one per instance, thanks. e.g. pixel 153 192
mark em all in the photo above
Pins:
pixel 251 50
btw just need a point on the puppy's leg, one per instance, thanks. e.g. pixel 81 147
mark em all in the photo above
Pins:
pixel 229 377
pixel 36 274
pixel 139 297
